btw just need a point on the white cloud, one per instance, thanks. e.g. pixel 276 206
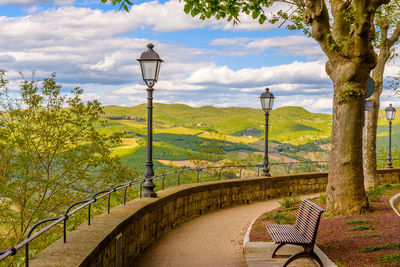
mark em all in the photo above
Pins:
pixel 97 50
pixel 35 2
pixel 296 71
pixel 294 45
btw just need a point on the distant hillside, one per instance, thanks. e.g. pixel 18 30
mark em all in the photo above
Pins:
pixel 181 131
pixel 287 124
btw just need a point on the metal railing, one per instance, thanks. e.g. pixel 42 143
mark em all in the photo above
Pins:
pixel 77 206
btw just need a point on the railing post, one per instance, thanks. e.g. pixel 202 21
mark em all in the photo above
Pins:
pixel 89 208
pixel 179 181
pixel 240 173
pixel 198 175
pixel 108 204
pixel 126 188
pixel 163 178
pixel 65 229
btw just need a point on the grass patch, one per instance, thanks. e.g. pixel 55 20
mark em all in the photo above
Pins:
pixel 323 198
pixel 359 222
pixel 375 194
pixel 393 259
pixel 371 235
pixel 288 202
pixel 362 228
pixel 280 218
pixel 380 247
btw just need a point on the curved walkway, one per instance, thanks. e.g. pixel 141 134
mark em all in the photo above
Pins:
pixel 215 239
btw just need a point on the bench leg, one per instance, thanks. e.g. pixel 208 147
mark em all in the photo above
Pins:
pixel 304 254
pixel 276 249
pixel 315 257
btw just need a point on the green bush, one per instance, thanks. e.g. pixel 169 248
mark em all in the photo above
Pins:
pixel 375 194
pixel 288 202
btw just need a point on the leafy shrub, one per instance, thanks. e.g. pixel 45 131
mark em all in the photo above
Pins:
pixel 375 194
pixel 288 202
pixel 323 197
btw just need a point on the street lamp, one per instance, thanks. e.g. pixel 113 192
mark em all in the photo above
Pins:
pixel 390 112
pixel 150 63
pixel 267 100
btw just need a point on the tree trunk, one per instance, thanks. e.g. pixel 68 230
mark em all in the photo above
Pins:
pixel 371 121
pixel 345 189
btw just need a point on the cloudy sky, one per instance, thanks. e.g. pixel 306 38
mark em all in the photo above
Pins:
pixel 95 46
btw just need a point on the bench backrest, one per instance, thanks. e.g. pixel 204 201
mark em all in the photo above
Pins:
pixel 308 219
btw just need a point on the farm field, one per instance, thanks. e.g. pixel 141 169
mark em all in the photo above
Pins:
pixel 182 134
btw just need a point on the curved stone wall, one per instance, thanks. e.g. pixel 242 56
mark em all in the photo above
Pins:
pixel 115 239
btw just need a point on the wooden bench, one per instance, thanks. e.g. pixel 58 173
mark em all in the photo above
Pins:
pixel 302 233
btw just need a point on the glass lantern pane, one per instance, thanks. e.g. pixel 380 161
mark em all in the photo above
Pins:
pixel 149 69
pixel 158 69
pixel 271 103
pixel 390 114
pixel 263 104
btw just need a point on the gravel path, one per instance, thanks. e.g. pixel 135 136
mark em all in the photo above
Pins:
pixel 215 239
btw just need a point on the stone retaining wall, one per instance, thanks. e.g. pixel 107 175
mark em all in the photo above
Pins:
pixel 115 239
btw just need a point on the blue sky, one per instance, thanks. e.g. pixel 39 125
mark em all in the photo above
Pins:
pixel 95 46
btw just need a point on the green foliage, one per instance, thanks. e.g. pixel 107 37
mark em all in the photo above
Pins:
pixel 323 197
pixel 350 93
pixel 280 218
pixel 393 259
pixel 358 222
pixel 290 201
pixel 380 247
pixel 124 4
pixel 362 228
pixel 51 156
pixel 374 194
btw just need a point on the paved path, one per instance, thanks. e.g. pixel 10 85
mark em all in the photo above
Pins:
pixel 215 239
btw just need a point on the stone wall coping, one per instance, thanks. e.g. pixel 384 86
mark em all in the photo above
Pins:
pixel 87 243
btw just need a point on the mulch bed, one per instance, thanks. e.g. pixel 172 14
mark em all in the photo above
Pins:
pixel 342 239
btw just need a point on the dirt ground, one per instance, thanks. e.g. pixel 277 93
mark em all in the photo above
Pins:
pixel 349 241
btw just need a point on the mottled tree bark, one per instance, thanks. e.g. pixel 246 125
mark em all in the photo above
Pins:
pixel 351 58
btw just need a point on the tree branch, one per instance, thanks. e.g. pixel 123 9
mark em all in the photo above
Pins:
pixel 395 36
pixel 316 14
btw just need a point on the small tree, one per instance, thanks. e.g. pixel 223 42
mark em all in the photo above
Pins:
pixel 387 24
pixel 51 154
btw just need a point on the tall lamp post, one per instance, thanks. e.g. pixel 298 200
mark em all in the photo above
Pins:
pixel 150 63
pixel 390 112
pixel 267 100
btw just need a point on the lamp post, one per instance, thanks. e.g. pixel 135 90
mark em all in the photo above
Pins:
pixel 150 63
pixel 390 112
pixel 267 100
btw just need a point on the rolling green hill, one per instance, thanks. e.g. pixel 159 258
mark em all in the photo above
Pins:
pixel 181 131
pixel 293 125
